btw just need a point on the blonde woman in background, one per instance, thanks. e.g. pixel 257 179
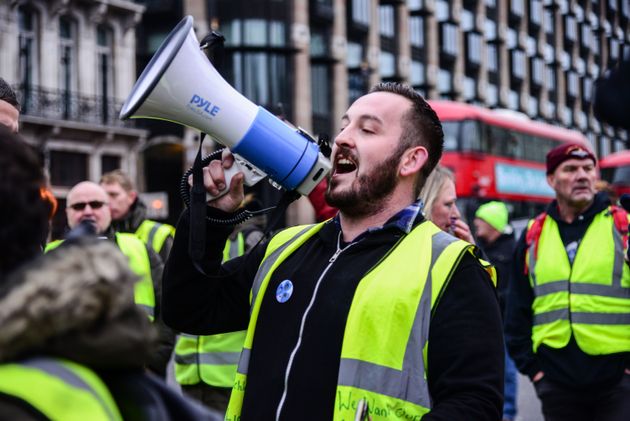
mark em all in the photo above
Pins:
pixel 439 197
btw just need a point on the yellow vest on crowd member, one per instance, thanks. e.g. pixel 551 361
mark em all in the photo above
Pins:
pixel 136 252
pixel 211 359
pixel 381 362
pixel 154 234
pixel 61 390
pixel 589 299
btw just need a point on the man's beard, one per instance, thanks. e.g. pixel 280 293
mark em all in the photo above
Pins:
pixel 373 187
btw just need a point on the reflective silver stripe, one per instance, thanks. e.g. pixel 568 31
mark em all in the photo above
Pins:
pixel 189 336
pixel 56 369
pixel 532 262
pixel 209 358
pixel 234 248
pixel 148 309
pixel 551 316
pixel 156 226
pixel 266 265
pixel 386 380
pixel 243 362
pixel 619 258
pixel 582 288
pixel 601 318
pixel 551 288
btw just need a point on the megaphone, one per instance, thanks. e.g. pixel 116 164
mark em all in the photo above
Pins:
pixel 180 85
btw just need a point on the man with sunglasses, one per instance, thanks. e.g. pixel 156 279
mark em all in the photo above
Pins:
pixel 88 204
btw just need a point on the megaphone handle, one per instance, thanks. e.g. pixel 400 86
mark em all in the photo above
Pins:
pixel 229 173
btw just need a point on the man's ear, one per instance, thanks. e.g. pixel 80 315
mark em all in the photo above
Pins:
pixel 133 195
pixel 550 179
pixel 412 160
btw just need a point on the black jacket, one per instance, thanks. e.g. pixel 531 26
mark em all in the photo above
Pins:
pixel 465 354
pixel 569 366
pixel 501 253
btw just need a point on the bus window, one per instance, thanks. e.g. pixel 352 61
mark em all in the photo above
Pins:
pixel 450 129
pixel 471 136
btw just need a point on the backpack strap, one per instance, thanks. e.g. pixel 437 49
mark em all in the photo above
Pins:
pixel 533 234
pixel 620 219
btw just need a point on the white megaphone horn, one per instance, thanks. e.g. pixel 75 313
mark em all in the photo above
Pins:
pixel 180 85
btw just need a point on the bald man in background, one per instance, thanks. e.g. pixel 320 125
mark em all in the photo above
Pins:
pixel 87 203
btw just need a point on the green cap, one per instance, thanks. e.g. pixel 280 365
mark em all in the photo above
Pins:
pixel 495 214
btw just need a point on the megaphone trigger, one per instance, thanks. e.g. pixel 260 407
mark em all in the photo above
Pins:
pixel 252 175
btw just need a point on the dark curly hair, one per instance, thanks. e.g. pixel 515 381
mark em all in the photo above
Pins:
pixel 23 212
pixel 422 127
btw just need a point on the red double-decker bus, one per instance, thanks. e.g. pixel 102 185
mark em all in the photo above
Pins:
pixel 499 155
pixel 615 169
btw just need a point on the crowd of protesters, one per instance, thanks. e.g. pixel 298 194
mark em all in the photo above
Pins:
pixel 389 307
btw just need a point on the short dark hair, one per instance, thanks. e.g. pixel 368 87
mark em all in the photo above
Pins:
pixel 23 213
pixel 8 94
pixel 422 127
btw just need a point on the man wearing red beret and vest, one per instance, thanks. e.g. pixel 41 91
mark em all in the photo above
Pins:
pixel 568 324
pixel 374 314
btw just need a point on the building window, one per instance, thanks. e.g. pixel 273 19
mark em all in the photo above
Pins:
pixel 518 64
pixel 28 24
pixel 417 78
pixel 537 70
pixel 548 21
pixel 361 11
pixel 517 8
pixel 492 95
pixel 613 49
pixel 354 58
pixel 473 47
pixel 105 72
pixel 442 10
pixel 532 106
pixel 570 29
pixel 535 12
pixel 586 35
pixel 68 168
pixel 259 61
pixel 68 82
pixel 513 100
pixel 512 39
pixel 320 96
pixel 467 20
pixel 416 31
pixel 587 89
pixel 551 78
pixel 572 84
pixel 318 44
pixel 490 30
pixel 449 39
pixel 493 65
pixel 469 88
pixel 109 163
pixel 387 64
pixel 387 21
pixel 445 83
pixel 550 54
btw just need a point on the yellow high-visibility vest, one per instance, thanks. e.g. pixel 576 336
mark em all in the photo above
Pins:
pixel 384 351
pixel 589 299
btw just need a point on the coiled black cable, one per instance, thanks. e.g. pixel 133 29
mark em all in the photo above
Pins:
pixel 239 218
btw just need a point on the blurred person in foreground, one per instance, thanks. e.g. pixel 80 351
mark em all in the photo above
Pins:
pixel 9 107
pixel 440 207
pixel 375 313
pixel 88 206
pixel 129 214
pixel 568 312
pixel 72 343
pixel 495 238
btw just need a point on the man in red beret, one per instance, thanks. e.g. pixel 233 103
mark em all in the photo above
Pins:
pixel 568 318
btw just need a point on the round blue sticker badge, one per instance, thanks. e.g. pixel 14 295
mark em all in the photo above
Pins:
pixel 284 291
